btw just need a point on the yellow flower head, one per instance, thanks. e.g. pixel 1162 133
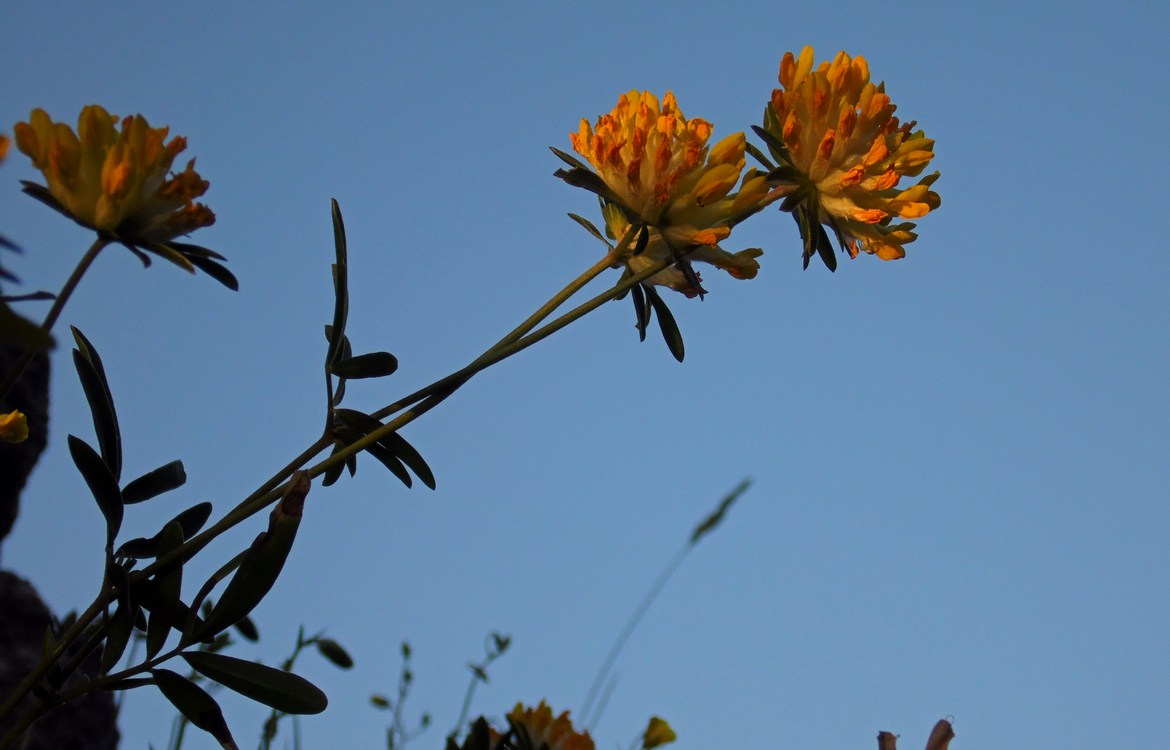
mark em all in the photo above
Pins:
pixel 656 164
pixel 658 733
pixel 116 181
pixel 842 154
pixel 536 728
pixel 13 427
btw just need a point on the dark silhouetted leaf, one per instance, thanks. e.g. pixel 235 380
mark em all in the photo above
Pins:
pixel 261 564
pixel 154 483
pixel 340 287
pixel 169 583
pixel 166 252
pixel 372 365
pixel 333 651
pixel 248 630
pixel 101 401
pixel 397 445
pixel 117 636
pixel 666 323
pixel 191 521
pixel 216 271
pixel 195 704
pixel 101 483
pixel 641 310
pixel 274 688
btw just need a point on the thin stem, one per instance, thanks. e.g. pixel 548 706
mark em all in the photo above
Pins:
pixel 55 311
pixel 620 642
pixel 519 331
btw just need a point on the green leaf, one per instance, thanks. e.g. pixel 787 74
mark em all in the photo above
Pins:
pixel 117 636
pixel 274 688
pixel 154 483
pixel 569 159
pixel 590 228
pixel 340 286
pixel 372 365
pixel 101 483
pixel 333 651
pixel 247 630
pixel 101 401
pixel 216 271
pixel 166 252
pixel 261 564
pixel 666 322
pixel 191 521
pixel 169 582
pixel 195 704
pixel 403 450
pixel 641 310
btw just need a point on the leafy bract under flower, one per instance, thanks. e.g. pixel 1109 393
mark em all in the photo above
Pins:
pixel 654 167
pixel 536 728
pixel 842 154
pixel 118 182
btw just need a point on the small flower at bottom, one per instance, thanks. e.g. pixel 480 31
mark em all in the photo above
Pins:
pixel 657 733
pixel 537 728
pixel 13 427
pixel 654 166
pixel 841 155
pixel 116 181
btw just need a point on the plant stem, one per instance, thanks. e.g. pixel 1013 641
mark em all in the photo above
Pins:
pixel 55 311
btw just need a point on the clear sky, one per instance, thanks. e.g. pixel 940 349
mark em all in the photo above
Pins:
pixel 960 458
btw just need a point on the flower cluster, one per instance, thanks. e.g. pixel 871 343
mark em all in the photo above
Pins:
pixel 842 154
pixel 537 728
pixel 117 182
pixel 654 166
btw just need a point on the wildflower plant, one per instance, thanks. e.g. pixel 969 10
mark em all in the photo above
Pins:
pixel 669 196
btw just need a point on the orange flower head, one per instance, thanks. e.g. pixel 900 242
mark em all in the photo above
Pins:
pixel 842 155
pixel 115 180
pixel 536 728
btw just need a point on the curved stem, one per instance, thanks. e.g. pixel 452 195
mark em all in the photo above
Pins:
pixel 55 311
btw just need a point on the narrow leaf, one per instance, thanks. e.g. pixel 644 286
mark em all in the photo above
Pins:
pixel 169 582
pixel 340 285
pixel 334 652
pixel 101 483
pixel 154 483
pixel 262 562
pixel 589 227
pixel 641 310
pixel 666 323
pixel 215 270
pixel 117 636
pixel 195 704
pixel 167 252
pixel 101 401
pixel 397 445
pixel 372 365
pixel 190 520
pixel 275 688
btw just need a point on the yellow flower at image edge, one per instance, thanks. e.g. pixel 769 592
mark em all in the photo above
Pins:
pixel 13 427
pixel 3 147
pixel 116 181
pixel 842 154
pixel 539 728
pixel 653 166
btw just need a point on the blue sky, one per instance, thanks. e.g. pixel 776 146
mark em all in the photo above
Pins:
pixel 959 458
